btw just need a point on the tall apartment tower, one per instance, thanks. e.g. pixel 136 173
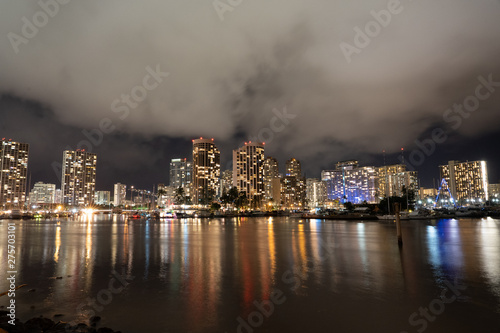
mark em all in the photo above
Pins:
pixel 293 169
pixel 467 181
pixel 181 175
pixel 226 180
pixel 78 177
pixel 293 186
pixel 119 194
pixel 270 171
pixel 13 173
pixel 206 170
pixel 247 169
pixel 385 185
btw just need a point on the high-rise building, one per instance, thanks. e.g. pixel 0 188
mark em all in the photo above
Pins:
pixel 402 181
pixel 119 194
pixel 13 173
pixel 270 171
pixel 315 192
pixel 293 186
pixel 102 197
pixel 226 181
pixel 293 192
pixel 494 191
pixel 385 186
pixel 43 193
pixel 467 181
pixel 181 175
pixel 58 199
pixel 293 169
pixel 78 177
pixel 430 193
pixel 351 183
pixel 206 170
pixel 247 171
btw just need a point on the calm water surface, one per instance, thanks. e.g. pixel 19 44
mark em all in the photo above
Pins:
pixel 259 274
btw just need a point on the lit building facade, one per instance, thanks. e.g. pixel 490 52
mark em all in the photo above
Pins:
pixel 226 181
pixel 270 171
pixel 351 183
pixel 78 177
pixel 403 180
pixel 13 173
pixel 248 171
pixel 315 192
pixel 427 193
pixel 206 170
pixel 293 192
pixel 181 175
pixel 119 194
pixel 292 168
pixel 385 186
pixel 43 193
pixel 102 197
pixel 494 191
pixel 293 186
pixel 466 181
pixel 58 196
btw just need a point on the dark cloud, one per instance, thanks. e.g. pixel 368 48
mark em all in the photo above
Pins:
pixel 226 77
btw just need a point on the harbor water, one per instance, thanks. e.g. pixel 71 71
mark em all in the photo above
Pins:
pixel 260 274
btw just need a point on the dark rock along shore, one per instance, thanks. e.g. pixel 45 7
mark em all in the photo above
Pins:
pixel 42 324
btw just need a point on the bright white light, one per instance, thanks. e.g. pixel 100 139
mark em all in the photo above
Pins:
pixel 88 211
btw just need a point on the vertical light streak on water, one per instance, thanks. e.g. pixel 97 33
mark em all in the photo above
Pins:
pixel 147 236
pixel 489 237
pixel 114 241
pixel 57 244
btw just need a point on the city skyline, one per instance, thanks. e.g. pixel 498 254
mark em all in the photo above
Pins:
pixel 282 170
pixel 295 81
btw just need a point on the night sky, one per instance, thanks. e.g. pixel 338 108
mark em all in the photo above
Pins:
pixel 278 69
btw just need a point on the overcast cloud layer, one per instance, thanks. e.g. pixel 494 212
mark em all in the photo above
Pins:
pixel 226 76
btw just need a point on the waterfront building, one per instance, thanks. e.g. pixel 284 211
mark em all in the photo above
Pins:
pixel 13 173
pixel 78 177
pixel 385 186
pixel 102 197
pixel 466 181
pixel 226 181
pixel 494 191
pixel 270 172
pixel 119 194
pixel 315 192
pixel 43 194
pixel 351 183
pixel 293 186
pixel 248 171
pixel 58 196
pixel 206 170
pixel 427 193
pixel 400 181
pixel 181 175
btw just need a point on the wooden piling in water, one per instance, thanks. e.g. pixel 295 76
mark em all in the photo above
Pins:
pixel 398 224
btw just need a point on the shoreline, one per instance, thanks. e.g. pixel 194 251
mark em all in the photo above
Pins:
pixel 43 324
